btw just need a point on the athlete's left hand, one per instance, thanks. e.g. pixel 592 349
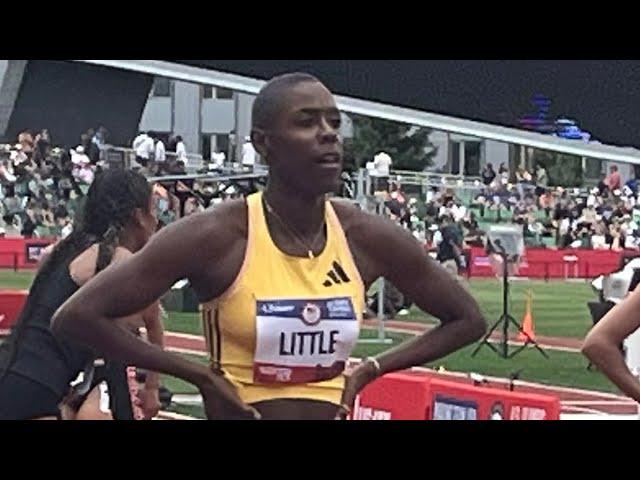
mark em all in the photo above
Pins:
pixel 359 378
pixel 149 402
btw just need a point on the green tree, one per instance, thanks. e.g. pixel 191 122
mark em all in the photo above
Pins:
pixel 408 146
pixel 563 170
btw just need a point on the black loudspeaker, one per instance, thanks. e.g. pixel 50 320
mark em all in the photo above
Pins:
pixel 69 97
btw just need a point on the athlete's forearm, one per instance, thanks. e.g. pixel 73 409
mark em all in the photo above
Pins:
pixel 108 339
pixel 155 335
pixel 609 359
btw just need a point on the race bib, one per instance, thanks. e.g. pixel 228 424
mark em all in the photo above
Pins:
pixel 303 341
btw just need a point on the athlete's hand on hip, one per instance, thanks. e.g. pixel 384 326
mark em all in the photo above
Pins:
pixel 359 378
pixel 222 402
pixel 149 402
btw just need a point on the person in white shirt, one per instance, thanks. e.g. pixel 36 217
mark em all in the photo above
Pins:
pixel 160 153
pixel 181 150
pixel 458 212
pixel 248 154
pixel 160 156
pixel 381 162
pixel 144 148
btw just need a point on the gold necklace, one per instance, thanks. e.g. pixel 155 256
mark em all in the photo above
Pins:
pixel 294 234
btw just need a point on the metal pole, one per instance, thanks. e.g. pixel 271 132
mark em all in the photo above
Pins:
pixel 381 309
pixel 239 137
pixel 382 339
pixel 361 193
pixel 381 293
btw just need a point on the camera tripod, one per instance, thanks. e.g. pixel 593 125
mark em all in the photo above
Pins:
pixel 506 319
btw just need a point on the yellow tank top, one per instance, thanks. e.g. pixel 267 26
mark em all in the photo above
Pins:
pixel 286 326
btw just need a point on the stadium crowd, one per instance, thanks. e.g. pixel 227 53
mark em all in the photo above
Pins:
pixel 42 186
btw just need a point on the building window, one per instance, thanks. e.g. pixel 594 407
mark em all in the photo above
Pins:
pixel 161 87
pixel 224 93
pixel 472 154
pixel 205 146
pixel 207 91
pixel 593 168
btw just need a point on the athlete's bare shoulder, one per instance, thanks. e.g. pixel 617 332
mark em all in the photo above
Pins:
pixel 208 247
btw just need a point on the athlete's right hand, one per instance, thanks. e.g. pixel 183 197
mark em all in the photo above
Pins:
pixel 221 401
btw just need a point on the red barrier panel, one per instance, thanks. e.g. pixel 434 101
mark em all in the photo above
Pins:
pixel 11 304
pixel 22 253
pixel 457 401
pixel 420 396
pixel 397 396
pixel 549 263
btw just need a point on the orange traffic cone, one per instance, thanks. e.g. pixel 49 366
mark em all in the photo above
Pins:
pixel 527 323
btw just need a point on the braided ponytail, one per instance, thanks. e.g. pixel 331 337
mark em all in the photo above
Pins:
pixel 107 247
pixel 109 205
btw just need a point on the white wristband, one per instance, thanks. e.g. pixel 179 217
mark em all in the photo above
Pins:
pixel 375 362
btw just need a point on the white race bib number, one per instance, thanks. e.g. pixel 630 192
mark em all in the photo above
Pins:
pixel 303 341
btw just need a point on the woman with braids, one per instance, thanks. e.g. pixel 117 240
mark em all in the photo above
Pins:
pixel 36 368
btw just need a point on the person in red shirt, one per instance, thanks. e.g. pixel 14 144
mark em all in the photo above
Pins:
pixel 613 180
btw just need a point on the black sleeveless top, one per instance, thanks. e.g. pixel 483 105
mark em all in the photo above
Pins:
pixel 33 352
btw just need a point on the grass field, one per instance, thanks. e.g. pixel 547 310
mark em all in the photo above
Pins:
pixel 15 280
pixel 559 309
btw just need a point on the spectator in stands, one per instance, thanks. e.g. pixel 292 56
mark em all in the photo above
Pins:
pixel 248 154
pixel 181 150
pixel 473 236
pixel 98 142
pixel 449 244
pixel 520 213
pixel 488 174
pixel 26 142
pixel 523 181
pixel 616 237
pixel 542 180
pixel 172 143
pixel 29 225
pixel 159 157
pixel 144 147
pixel 613 180
pixel 85 142
pixel 60 211
pixel 100 137
pixel 503 171
pixel 82 168
pixel 9 221
pixel 381 166
pixel 11 202
pixel 630 190
pixel 42 147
